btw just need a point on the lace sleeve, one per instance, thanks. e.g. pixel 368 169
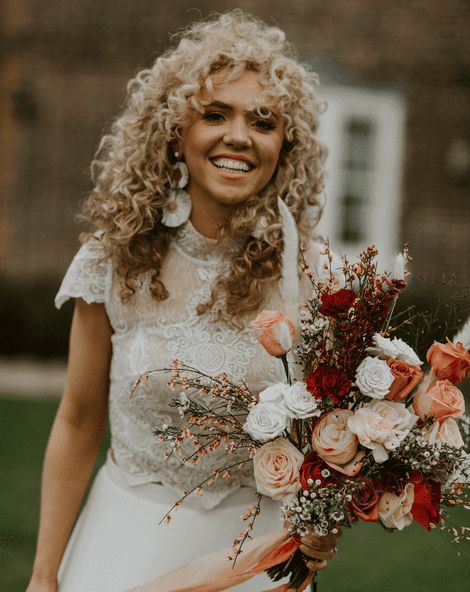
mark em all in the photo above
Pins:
pixel 88 276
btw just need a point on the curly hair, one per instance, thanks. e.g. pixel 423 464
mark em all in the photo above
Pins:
pixel 132 167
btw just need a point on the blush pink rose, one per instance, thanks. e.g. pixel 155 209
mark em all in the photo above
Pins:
pixel 441 400
pixel 447 432
pixel 334 442
pixel 276 466
pixel 449 361
pixel 406 377
pixel 395 510
pixel 274 331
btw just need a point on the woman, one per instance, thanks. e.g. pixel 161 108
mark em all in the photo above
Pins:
pixel 191 241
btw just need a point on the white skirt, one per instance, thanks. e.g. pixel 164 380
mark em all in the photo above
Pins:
pixel 118 544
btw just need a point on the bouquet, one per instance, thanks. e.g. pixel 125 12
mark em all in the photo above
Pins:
pixel 357 431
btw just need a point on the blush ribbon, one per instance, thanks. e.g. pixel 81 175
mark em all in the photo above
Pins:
pixel 215 573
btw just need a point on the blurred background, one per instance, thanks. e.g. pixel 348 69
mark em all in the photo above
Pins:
pixel 396 80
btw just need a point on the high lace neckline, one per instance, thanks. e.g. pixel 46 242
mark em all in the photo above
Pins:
pixel 191 242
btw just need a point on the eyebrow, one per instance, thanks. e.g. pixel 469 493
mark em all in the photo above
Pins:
pixel 227 107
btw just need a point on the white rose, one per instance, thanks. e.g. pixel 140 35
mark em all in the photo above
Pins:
pixel 447 432
pixel 382 426
pixel 266 421
pixel 299 403
pixel 374 378
pixel 273 394
pixel 395 510
pixel 393 348
pixel 405 353
pixel 383 347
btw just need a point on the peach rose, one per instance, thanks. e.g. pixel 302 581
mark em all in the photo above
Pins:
pixel 449 361
pixel 395 510
pixel 447 432
pixel 406 377
pixel 274 331
pixel 276 466
pixel 442 400
pixel 334 442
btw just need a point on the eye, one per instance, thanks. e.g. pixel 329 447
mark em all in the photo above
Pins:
pixel 213 116
pixel 264 124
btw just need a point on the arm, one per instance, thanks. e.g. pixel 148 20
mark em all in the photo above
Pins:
pixel 74 441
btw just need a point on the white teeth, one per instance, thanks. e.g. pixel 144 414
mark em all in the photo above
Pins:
pixel 231 165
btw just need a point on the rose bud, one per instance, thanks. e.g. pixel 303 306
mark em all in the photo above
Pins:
pixel 442 400
pixel 449 361
pixel 406 377
pixel 274 331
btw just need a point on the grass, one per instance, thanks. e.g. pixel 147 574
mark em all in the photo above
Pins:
pixel 25 425
pixel 368 560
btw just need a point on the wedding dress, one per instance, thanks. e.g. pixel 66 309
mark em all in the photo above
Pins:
pixel 118 541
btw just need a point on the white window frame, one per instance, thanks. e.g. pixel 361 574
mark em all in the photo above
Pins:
pixel 386 111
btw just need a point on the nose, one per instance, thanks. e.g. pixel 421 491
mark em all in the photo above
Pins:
pixel 238 134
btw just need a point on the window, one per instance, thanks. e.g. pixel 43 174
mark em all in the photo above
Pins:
pixel 363 131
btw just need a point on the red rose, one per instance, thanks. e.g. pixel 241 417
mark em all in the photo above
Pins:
pixel 339 301
pixel 311 469
pixel 427 501
pixel 365 500
pixel 328 382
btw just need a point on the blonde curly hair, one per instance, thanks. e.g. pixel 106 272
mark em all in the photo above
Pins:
pixel 132 166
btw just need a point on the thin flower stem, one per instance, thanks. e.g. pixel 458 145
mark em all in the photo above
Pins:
pixel 247 534
pixel 214 474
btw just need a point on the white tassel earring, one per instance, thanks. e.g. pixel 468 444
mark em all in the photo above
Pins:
pixel 177 209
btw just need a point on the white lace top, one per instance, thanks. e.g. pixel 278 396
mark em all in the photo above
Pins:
pixel 149 334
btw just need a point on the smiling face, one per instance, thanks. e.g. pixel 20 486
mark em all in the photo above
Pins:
pixel 230 150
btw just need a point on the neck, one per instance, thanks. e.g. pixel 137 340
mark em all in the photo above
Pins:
pixel 208 218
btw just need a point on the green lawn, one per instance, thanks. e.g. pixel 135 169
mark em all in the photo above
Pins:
pixel 368 559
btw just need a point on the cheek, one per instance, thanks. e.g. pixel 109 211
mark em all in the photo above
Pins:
pixel 272 154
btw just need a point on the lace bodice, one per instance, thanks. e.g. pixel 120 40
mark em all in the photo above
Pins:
pixel 148 334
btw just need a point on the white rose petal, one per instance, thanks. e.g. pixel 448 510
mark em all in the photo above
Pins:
pixel 383 347
pixel 299 403
pixel 393 348
pixel 273 393
pixel 266 421
pixel 405 353
pixel 395 510
pixel 447 432
pixel 374 378
pixel 382 426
